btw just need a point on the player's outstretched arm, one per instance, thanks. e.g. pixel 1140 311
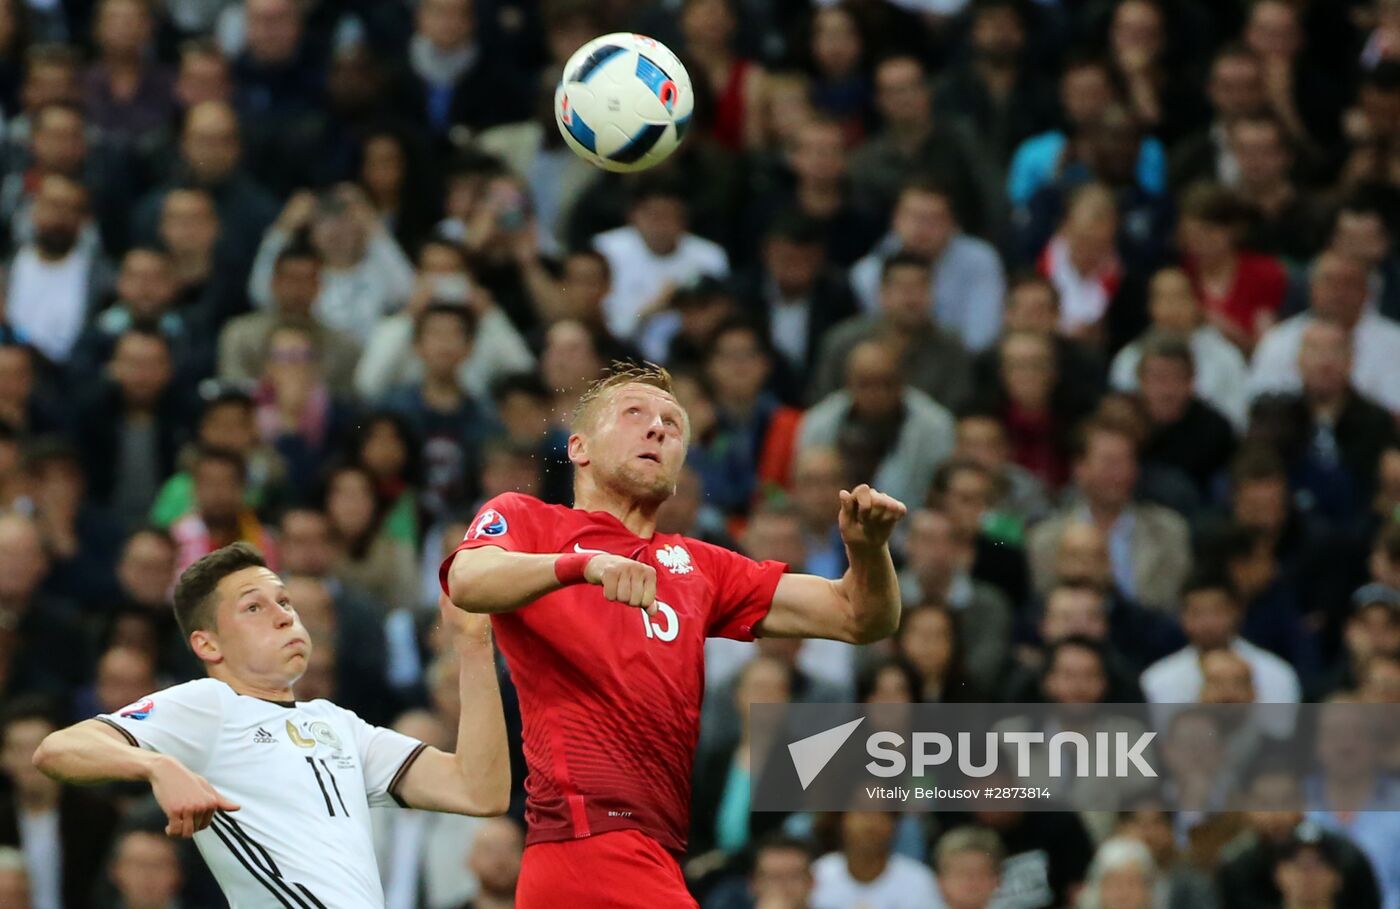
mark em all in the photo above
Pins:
pixel 475 779
pixel 864 605
pixel 94 752
pixel 491 579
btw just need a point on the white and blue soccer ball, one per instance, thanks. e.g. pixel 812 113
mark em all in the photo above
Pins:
pixel 624 102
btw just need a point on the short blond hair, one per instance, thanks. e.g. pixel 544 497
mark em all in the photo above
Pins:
pixel 620 373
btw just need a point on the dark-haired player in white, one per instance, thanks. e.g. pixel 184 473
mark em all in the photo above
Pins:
pixel 276 793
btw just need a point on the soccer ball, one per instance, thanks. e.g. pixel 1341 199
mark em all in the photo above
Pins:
pixel 624 102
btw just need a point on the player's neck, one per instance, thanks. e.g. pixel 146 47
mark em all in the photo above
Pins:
pixel 262 690
pixel 638 517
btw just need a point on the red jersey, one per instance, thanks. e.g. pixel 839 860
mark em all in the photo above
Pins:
pixel 610 698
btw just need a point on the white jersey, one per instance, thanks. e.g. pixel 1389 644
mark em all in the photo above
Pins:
pixel 304 776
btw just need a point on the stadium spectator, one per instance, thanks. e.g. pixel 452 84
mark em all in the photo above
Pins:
pixel 1122 876
pixel 220 515
pixel 447 423
pixel 1086 92
pixel 932 358
pixel 935 574
pixel 366 555
pixel 14 879
pixel 888 432
pixel 813 182
pixel 1346 430
pixel 1240 291
pixel 210 157
pixel 997 90
pixel 1349 795
pixel 1076 610
pixel 928 642
pixel 968 862
pixel 206 281
pixel 1220 370
pixel 55 282
pixel 1186 434
pixel 364 274
pixel 1148 544
pixel 817 477
pixel 1211 617
pixel 81 539
pixel 228 422
pixel 968 280
pixel 297 414
pixel 1019 498
pixel 294 287
pixel 1152 826
pixel 797 292
pixel 125 91
pixel 866 872
pixel 494 858
pixel 130 425
pixel 1234 89
pixel 1289 222
pixel 451 76
pixel 390 360
pixel 62 831
pixel 723 770
pixel 913 141
pixel 145 871
pixel 653 255
pixel 145 298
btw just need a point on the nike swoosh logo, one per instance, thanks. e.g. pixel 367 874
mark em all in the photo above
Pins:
pixel 580 549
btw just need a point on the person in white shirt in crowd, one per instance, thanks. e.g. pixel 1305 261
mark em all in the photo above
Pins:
pixel 653 255
pixel 1222 375
pixel 1338 288
pixel 969 282
pixel 1211 615
pixel 389 359
pixel 277 793
pixel 364 274
pixel 55 282
pixel 867 873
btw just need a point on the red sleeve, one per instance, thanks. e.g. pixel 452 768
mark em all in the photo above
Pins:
pixel 510 521
pixel 743 591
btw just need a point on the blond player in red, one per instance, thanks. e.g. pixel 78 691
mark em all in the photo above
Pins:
pixel 610 696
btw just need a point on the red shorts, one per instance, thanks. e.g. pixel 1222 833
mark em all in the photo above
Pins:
pixel 620 869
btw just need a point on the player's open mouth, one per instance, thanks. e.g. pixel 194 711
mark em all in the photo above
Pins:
pixel 648 456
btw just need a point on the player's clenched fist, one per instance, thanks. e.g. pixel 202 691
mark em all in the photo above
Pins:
pixel 868 517
pixel 187 799
pixel 623 580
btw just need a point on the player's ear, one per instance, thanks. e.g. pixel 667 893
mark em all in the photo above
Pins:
pixel 205 646
pixel 578 450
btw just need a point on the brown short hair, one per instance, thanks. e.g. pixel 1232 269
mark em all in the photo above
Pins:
pixel 195 589
pixel 616 376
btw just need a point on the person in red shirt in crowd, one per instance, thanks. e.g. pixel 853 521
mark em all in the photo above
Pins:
pixel 1240 290
pixel 610 696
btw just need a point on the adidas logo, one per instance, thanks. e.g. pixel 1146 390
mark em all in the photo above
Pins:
pixel 263 737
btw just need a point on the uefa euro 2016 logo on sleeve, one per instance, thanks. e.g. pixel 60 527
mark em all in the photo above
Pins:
pixel 490 523
pixel 138 711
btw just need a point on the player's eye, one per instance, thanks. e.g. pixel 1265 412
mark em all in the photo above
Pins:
pixel 253 607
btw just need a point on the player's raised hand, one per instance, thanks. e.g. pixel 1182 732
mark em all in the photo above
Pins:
pixel 187 799
pixel 623 580
pixel 868 517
